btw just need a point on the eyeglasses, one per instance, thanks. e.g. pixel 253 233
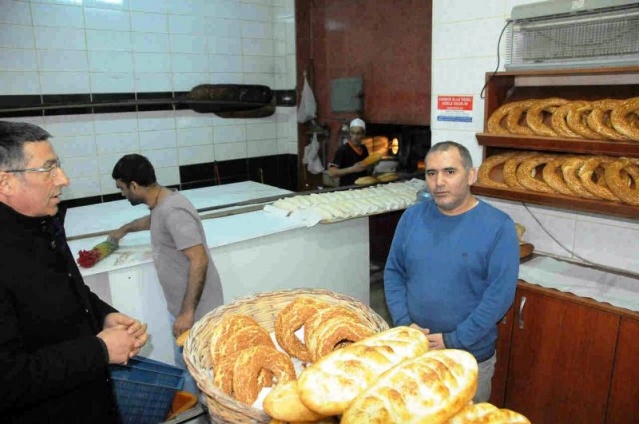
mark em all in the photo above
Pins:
pixel 51 169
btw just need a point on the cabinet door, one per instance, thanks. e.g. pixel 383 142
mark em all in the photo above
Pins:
pixel 623 404
pixel 498 384
pixel 560 360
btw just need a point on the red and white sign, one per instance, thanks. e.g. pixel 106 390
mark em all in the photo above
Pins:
pixel 455 108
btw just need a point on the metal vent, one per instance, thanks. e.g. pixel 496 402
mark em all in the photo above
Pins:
pixel 588 40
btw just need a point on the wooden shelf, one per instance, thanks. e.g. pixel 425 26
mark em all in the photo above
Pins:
pixel 566 145
pixel 559 201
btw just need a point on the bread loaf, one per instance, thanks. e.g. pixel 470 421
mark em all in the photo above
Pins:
pixel 366 180
pixel 486 413
pixel 430 388
pixel 283 403
pixel 387 177
pixel 372 159
pixel 330 384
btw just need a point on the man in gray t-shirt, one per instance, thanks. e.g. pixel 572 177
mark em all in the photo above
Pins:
pixel 186 271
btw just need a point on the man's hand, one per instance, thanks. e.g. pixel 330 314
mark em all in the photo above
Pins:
pixel 132 326
pixel 426 331
pixel 120 344
pixel 183 322
pixel 115 235
pixel 436 341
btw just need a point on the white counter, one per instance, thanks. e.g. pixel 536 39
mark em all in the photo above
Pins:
pixel 254 252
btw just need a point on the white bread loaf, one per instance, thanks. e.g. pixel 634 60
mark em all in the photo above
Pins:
pixel 486 413
pixel 430 388
pixel 330 384
pixel 283 403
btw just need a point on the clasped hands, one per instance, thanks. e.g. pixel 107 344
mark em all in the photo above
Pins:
pixel 123 336
pixel 435 341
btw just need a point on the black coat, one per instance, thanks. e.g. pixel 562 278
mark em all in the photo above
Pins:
pixel 53 368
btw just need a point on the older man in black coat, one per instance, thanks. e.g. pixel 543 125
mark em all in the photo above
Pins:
pixel 56 337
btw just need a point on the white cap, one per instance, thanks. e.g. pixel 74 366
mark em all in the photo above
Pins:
pixel 358 123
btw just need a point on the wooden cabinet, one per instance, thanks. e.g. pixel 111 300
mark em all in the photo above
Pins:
pixel 570 84
pixel 623 404
pixel 498 383
pixel 561 359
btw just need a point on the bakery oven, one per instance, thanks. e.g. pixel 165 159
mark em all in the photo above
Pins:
pixel 403 147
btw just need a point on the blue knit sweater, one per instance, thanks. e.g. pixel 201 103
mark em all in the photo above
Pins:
pixel 454 275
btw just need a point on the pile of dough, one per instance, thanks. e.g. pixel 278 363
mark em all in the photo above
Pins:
pixel 487 413
pixel 345 204
pixel 605 119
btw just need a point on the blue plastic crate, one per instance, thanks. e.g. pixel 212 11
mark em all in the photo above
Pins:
pixel 145 389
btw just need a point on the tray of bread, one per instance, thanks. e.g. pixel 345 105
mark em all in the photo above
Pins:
pixel 604 119
pixel 313 355
pixel 336 206
pixel 593 177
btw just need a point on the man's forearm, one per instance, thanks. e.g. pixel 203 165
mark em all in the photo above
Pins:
pixel 194 287
pixel 140 224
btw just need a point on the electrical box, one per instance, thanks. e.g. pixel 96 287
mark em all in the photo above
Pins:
pixel 346 94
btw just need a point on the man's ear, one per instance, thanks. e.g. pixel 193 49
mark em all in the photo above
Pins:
pixel 472 176
pixel 5 183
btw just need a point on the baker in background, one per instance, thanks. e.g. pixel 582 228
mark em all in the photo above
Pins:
pixel 56 336
pixel 347 164
pixel 186 271
pixel 453 264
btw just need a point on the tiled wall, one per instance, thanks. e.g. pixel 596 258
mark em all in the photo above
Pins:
pixel 465 35
pixel 106 47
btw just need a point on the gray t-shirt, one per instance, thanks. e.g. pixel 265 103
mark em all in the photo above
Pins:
pixel 175 226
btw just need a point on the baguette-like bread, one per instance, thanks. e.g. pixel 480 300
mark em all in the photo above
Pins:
pixel 330 384
pixel 366 180
pixel 387 177
pixel 372 159
pixel 486 413
pixel 283 403
pixel 430 388
pixel 182 338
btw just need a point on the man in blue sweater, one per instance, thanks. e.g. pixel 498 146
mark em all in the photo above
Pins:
pixel 453 264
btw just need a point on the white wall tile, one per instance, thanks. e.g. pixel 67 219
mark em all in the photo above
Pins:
pixel 460 39
pixel 64 82
pixel 225 63
pixel 258 64
pixel 607 245
pixel 74 146
pixel 69 125
pixel 223 9
pixel 191 119
pixel 149 22
pixel 161 158
pixel 168 175
pixel 62 60
pixel 224 45
pixel 58 38
pixel 107 184
pixel 117 20
pixel 14 36
pixel 165 139
pixel 107 4
pixel 224 27
pixel 106 123
pixel 257 30
pixel 153 82
pixel 261 131
pixel 261 148
pixel 109 40
pixel 57 15
pixel 185 7
pixel 81 167
pixel 254 12
pixel 463 10
pixel 195 154
pixel 195 136
pixel 257 47
pixel 186 24
pixel 15 12
pixel 111 82
pixel 103 61
pixel 190 63
pixel 148 42
pixel 116 143
pixel 17 60
pixel 225 78
pixel 286 147
pixel 229 134
pixel 156 121
pixel 259 79
pixel 81 187
pixel 231 151
pixel 152 62
pixel 186 81
pixel 147 6
pixel 187 43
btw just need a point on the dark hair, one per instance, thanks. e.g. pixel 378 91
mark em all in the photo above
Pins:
pixel 13 135
pixel 467 160
pixel 136 168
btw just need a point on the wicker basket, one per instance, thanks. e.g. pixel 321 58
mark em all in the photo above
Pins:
pixel 264 308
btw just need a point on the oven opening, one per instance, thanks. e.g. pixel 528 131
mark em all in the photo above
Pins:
pixel 402 147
